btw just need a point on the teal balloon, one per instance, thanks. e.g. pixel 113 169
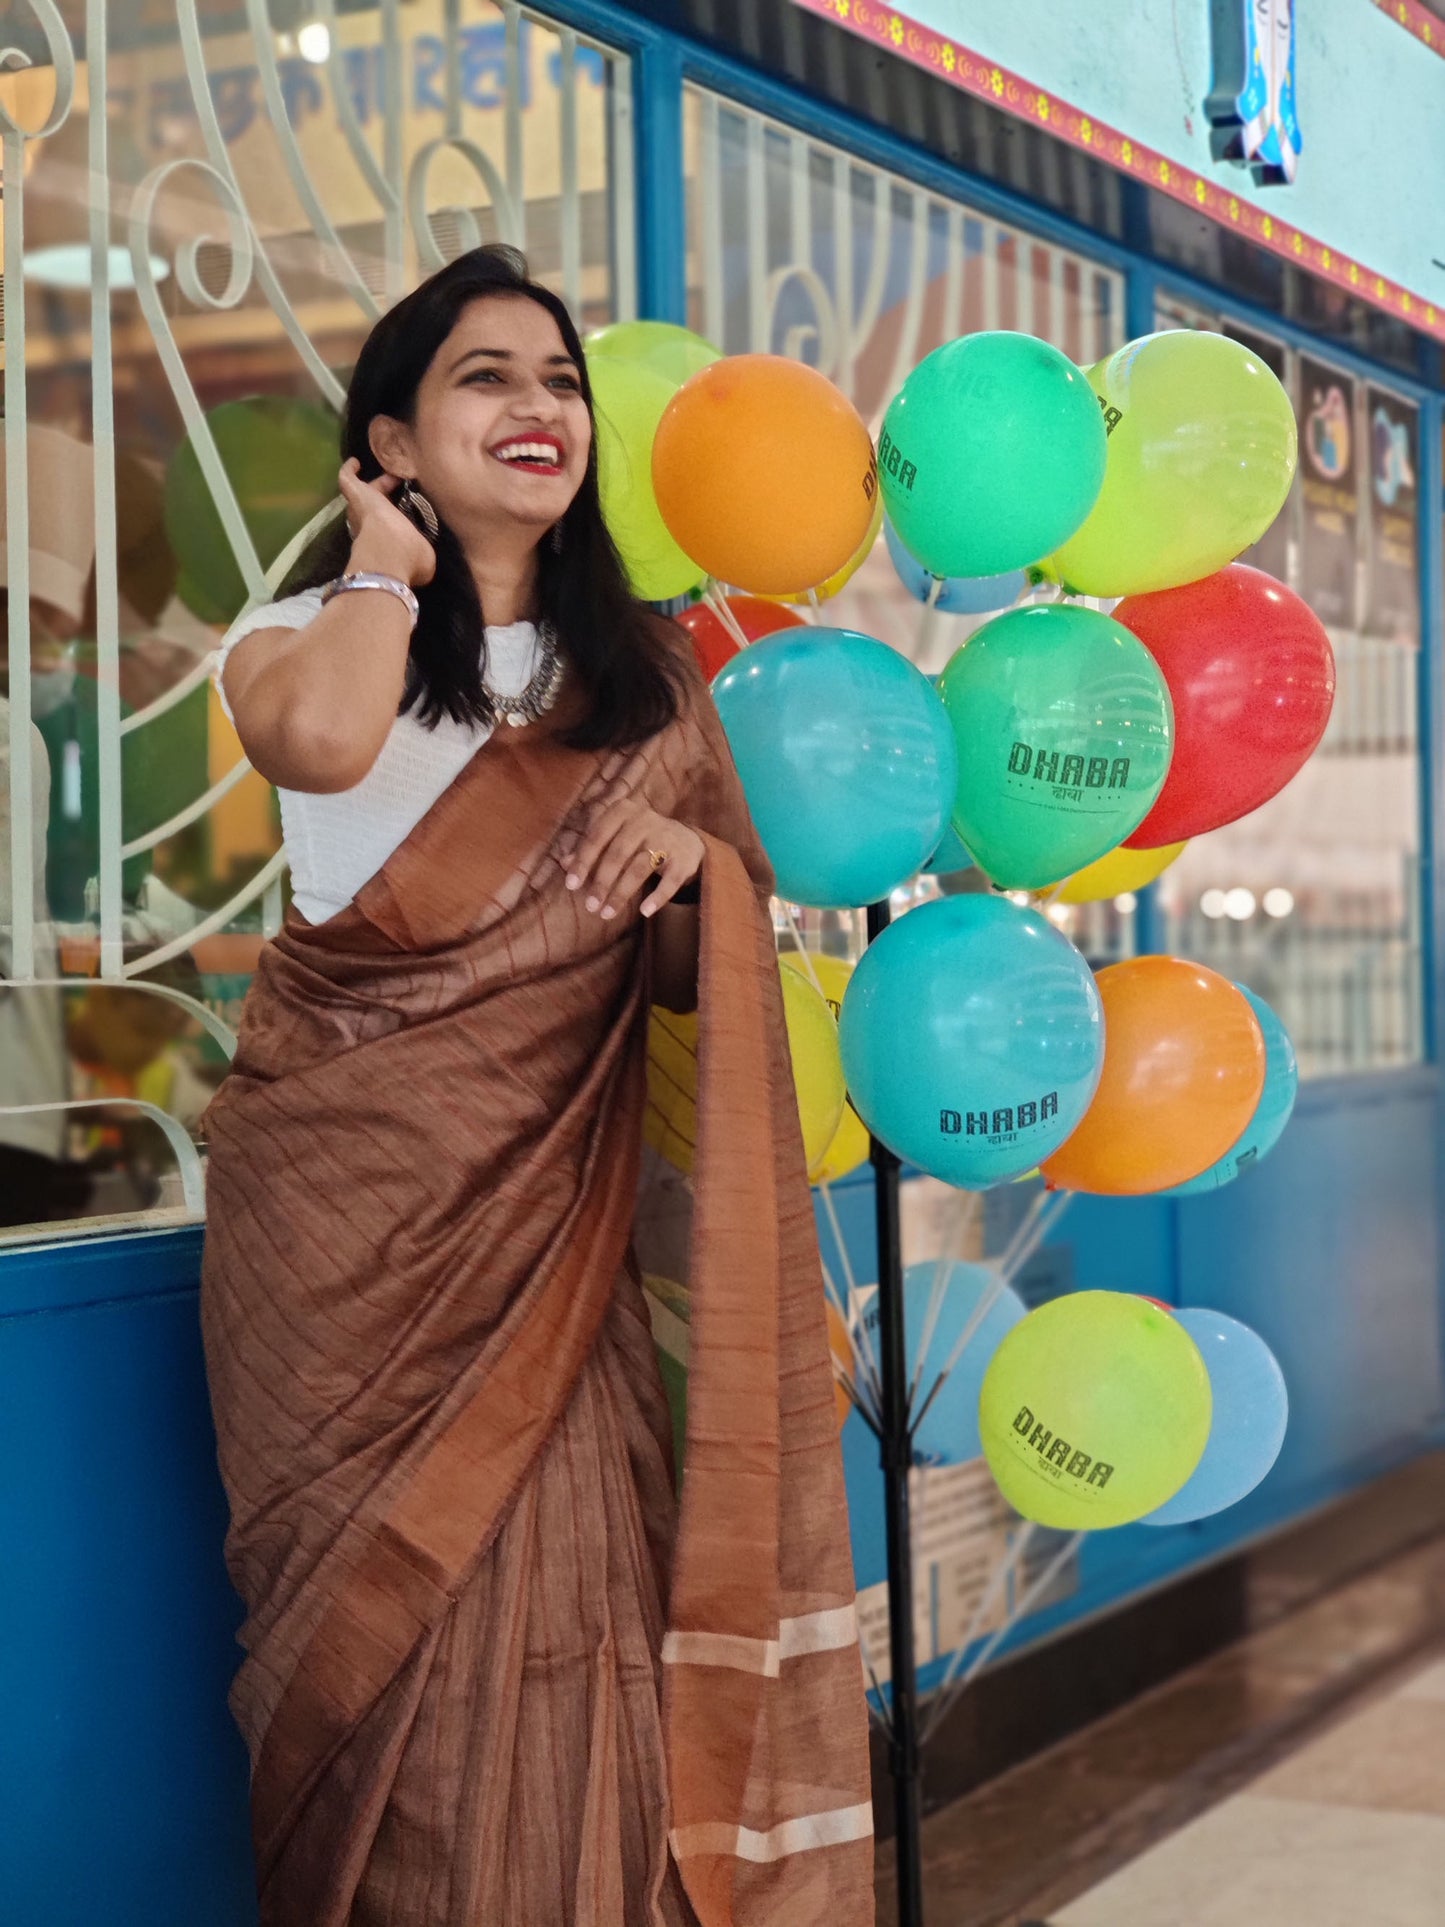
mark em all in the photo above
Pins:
pixel 1251 1416
pixel 950 858
pixel 993 445
pixel 948 1431
pixel 972 1039
pixel 952 595
pixel 1065 730
pixel 846 759
pixel 1272 1113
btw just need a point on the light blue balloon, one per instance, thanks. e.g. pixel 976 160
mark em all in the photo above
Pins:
pixel 949 1432
pixel 972 1038
pixel 1251 1414
pixel 950 857
pixel 961 595
pixel 1272 1113
pixel 847 760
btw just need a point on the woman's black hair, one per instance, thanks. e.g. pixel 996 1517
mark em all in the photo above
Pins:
pixel 615 649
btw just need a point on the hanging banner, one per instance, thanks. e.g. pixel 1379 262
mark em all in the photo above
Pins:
pixel 1329 463
pixel 1392 595
pixel 1271 551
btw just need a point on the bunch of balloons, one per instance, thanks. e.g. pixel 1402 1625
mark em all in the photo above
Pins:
pixel 1099 1409
pixel 1066 752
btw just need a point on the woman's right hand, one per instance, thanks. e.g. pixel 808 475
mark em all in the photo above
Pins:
pixel 383 541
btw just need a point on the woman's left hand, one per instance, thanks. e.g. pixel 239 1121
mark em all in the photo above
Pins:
pixel 618 857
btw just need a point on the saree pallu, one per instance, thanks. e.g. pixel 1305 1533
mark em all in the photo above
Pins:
pixel 489 1678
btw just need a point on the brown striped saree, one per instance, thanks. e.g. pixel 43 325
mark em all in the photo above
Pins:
pixel 490 1680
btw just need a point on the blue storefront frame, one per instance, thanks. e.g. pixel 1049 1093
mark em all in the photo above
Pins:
pixel 119 1771
pixel 1351 1132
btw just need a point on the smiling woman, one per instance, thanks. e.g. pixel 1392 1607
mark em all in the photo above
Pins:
pixel 441 1422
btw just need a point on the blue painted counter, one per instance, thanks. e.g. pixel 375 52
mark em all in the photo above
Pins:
pixel 122 1778
pixel 122 1781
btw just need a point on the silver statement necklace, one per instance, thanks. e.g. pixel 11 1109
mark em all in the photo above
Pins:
pixel 543 689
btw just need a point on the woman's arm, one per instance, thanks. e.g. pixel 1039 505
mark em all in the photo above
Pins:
pixel 314 706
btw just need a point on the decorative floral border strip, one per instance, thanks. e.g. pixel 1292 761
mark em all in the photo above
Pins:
pixel 1015 95
pixel 1417 19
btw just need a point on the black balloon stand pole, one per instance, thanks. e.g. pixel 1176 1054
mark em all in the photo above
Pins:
pixel 897 1453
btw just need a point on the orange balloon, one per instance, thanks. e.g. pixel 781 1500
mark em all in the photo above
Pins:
pixel 826 590
pixel 1183 1075
pixel 841 1346
pixel 765 474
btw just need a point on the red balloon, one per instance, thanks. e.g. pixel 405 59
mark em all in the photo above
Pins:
pixel 715 644
pixel 1252 675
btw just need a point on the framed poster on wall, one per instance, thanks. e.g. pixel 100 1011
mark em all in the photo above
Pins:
pixel 1392 593
pixel 1272 551
pixel 1329 462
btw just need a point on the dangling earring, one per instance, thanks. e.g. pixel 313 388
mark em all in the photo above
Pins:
pixel 556 538
pixel 418 510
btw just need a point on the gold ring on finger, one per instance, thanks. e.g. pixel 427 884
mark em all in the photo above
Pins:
pixel 659 858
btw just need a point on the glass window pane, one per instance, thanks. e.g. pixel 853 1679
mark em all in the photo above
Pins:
pixel 798 248
pixel 266 196
pixel 1313 901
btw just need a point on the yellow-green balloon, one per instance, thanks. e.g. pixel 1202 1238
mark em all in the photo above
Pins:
pixel 1094 1410
pixel 661 346
pixel 628 400
pixel 1201 454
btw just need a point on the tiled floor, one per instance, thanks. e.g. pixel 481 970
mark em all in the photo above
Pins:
pixel 1297 1779
pixel 1347 1832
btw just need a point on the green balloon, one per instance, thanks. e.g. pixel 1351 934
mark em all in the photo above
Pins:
pixel 281 457
pixel 661 346
pixel 992 454
pixel 1065 730
pixel 1095 1410
pixel 1202 451
pixel 628 401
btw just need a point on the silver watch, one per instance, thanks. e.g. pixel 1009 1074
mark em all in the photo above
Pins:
pixel 364 579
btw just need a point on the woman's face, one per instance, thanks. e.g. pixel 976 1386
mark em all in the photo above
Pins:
pixel 501 429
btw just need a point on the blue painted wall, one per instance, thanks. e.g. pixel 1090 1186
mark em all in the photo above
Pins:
pixel 122 1778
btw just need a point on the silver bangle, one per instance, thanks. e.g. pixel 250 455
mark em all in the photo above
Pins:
pixel 364 579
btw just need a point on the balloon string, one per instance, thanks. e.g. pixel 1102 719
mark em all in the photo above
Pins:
pixel 997 1580
pixel 1055 1204
pixel 1023 1230
pixel 858 1389
pixel 718 603
pixel 854 1317
pixel 1036 1589
pixel 965 1338
pixel 803 951
pixel 882 1714
pixel 856 1398
pixel 814 604
pixel 928 618
pixel 1043 1214
pixel 942 1270
pixel 857 1323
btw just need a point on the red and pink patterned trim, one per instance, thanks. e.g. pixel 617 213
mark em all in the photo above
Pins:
pixel 1413 17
